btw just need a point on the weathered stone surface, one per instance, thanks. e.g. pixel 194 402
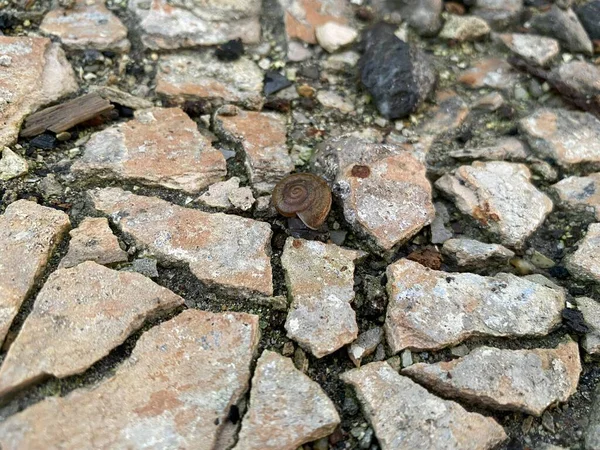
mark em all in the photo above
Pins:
pixel 287 409
pixel 241 198
pixel 217 195
pixel 564 26
pixel 160 147
pixel 320 282
pixel 262 137
pixel 580 76
pixel 225 251
pixel 87 25
pixel 165 395
pixel 175 24
pixel 590 309
pixel 407 417
pixel 500 196
pixel 424 16
pixel 331 99
pixel 302 17
pixel 585 262
pixel 201 76
pixel 332 36
pixel 470 254
pixel 29 234
pixel 567 137
pixel 448 114
pixel 498 13
pixel 580 193
pixel 464 28
pixel 535 49
pixel 429 309
pixel 12 165
pixel 93 240
pixel 588 14
pixel 504 149
pixel 514 380
pixel 79 316
pixel 592 433
pixel 492 73
pixel 440 233
pixel 383 189
pixel 35 72
pixel 365 344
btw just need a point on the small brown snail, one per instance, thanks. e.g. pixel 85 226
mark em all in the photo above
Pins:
pixel 304 195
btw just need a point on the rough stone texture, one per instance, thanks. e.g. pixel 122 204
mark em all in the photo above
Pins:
pixel 588 16
pixel 567 137
pixel 407 417
pixel 217 195
pixel 115 95
pixel 514 380
pixel 87 25
pixel 29 234
pixel 160 147
pixel 449 112
pixel 592 434
pixel 590 309
pixel 580 193
pixel 365 344
pixel 464 28
pixel 12 165
pixel 504 149
pixel 330 99
pixel 302 17
pixel 440 233
pixel 500 196
pixel 93 240
pixel 429 309
pixel 498 13
pixel 424 16
pixel 225 251
pixel 179 23
pixel 470 254
pixel 491 73
pixel 320 282
pixel 383 189
pixel 262 137
pixel 79 316
pixel 585 262
pixel 36 72
pixel 287 409
pixel 201 76
pixel 165 395
pixel 580 76
pixel 535 49
pixel 241 198
pixel 332 36
pixel 564 26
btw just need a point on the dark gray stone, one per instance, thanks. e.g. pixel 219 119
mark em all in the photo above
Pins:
pixel 589 16
pixel 564 26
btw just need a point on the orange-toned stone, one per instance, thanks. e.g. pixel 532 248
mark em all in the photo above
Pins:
pixel 492 73
pixel 302 17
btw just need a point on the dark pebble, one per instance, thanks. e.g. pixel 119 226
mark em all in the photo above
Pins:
pixel 589 16
pixel 573 318
pixel 230 51
pixel 44 141
pixel 275 82
pixel 309 71
pixel 558 272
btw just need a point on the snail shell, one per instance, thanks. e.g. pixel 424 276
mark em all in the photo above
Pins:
pixel 304 195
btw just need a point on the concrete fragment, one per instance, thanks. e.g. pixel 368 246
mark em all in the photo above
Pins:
pixel 470 254
pixel 365 344
pixel 302 17
pixel 585 262
pixel 12 165
pixel 590 309
pixel 578 193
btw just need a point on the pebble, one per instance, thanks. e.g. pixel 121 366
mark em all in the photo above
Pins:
pixel 301 17
pixel 464 28
pixel 440 233
pixel 471 255
pixel 423 16
pixel 490 102
pixel 12 165
pixel 274 81
pixel 588 14
pixel 584 263
pixel 332 36
pixel 217 195
pixel 491 73
pixel 330 99
pixel 241 198
pixel 365 345
pixel 564 26
pixel 146 267
pixel 499 14
pixel 537 50
pixel 580 193
pixel 590 309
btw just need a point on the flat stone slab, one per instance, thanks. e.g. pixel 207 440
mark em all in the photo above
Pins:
pixel 176 24
pixel 287 409
pixel 512 380
pixel 34 72
pixel 580 193
pixel 262 137
pixel 384 190
pixel 470 254
pixel 226 251
pixel 537 50
pixel 491 73
pixel 407 417
pixel 500 196
pixel 569 138
pixel 201 76
pixel 585 262
pixel 320 282
pixel 93 240
pixel 87 25
pixel 165 393
pixel 590 309
pixel 160 147
pixel 29 233
pixel 78 317
pixel 430 309
pixel 581 76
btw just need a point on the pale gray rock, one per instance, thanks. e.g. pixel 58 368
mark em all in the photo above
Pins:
pixel 504 149
pixel 494 73
pixel 537 50
pixel 580 76
pixel 241 198
pixel 579 193
pixel 12 165
pixel 470 254
pixel 564 26
pixel 217 195
pixel 590 309
pixel 365 344
pixel 424 16
pixel 585 262
pixel 499 13
pixel 464 28
pixel 439 232
pixel 332 36
pixel 592 433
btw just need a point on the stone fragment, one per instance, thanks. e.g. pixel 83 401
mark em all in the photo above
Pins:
pixel 569 138
pixel 504 149
pixel 302 17
pixel 201 76
pixel 585 262
pixel 330 99
pixel 440 233
pixel 320 282
pixel 78 317
pixel 564 26
pixel 398 76
pixel 167 24
pixel 407 417
pixel 429 310
pixel 365 344
pixel 29 233
pixel 12 165
pixel 225 251
pixel 241 198
pixel 424 16
pixel 287 409
pixel 332 36
pixel 93 240
pixel 500 196
pixel 144 266
pixel 498 13
pixel 581 76
pixel 217 195
pixel 87 25
pixel 448 114
pixel 262 137
pixel 537 50
pixel 470 254
pixel 512 380
pixel 383 189
pixel 490 102
pixel 588 14
pixel 580 193
pixel 38 73
pixel 590 309
pixel 491 73
pixel 165 395
pixel 160 147
pixel 464 28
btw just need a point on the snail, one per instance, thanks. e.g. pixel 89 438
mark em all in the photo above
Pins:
pixel 304 195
